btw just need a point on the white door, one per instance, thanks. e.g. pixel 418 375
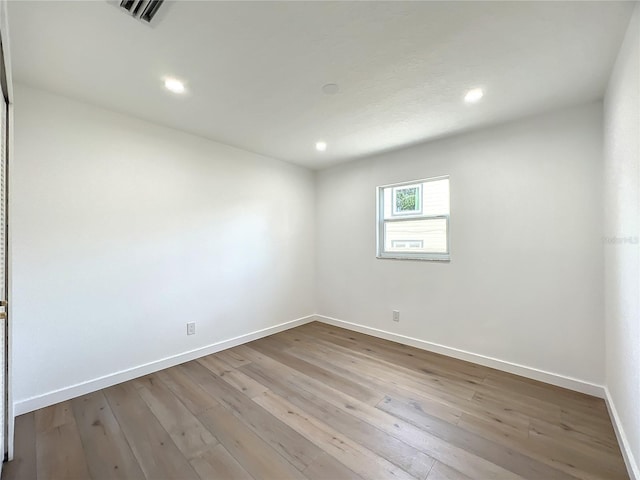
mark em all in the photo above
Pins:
pixel 3 275
pixel 6 407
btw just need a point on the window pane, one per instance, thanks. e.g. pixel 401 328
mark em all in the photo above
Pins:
pixel 387 202
pixel 418 199
pixel 417 236
pixel 436 197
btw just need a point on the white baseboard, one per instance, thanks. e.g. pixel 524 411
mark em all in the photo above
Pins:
pixel 522 370
pixel 630 461
pixel 72 391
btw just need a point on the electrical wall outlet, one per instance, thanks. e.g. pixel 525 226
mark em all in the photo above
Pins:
pixel 396 315
pixel 191 328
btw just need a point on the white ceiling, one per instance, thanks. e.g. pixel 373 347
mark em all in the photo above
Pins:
pixel 255 70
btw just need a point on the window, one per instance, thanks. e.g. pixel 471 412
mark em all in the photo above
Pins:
pixel 413 220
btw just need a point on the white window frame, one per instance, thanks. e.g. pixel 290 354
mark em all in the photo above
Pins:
pixel 380 222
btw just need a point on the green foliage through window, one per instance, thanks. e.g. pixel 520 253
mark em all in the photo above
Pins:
pixel 407 199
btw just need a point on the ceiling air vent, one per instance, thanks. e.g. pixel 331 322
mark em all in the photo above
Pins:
pixel 145 10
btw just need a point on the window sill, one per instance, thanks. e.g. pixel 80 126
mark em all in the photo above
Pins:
pixel 439 258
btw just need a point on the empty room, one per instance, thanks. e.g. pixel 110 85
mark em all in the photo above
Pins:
pixel 320 240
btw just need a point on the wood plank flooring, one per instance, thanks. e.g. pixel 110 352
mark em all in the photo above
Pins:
pixel 319 402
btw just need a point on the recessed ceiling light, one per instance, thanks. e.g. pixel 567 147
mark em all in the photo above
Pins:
pixel 174 85
pixel 321 146
pixel 473 95
pixel 331 88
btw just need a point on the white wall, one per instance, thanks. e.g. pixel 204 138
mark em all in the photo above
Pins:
pixel 524 284
pixel 622 232
pixel 123 231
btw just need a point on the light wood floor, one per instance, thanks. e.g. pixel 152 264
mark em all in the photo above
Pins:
pixel 321 402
